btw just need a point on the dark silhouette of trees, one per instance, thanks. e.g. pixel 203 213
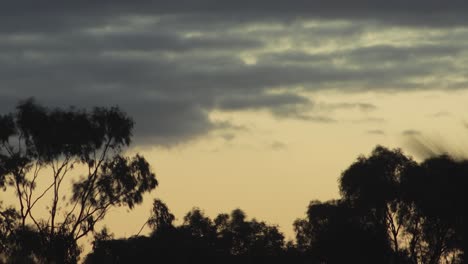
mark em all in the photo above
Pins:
pixel 9 219
pixel 435 196
pixel 253 238
pixel 41 145
pixel 27 245
pixel 161 218
pixel 196 238
pixel 372 186
pixel 335 232
pixel 392 209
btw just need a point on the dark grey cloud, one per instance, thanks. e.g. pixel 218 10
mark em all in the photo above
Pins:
pixel 166 123
pixel 266 101
pixel 46 14
pixel 281 105
pixel 143 41
pixel 169 64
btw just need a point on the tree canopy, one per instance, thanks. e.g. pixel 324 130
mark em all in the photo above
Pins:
pixel 42 145
pixel 392 208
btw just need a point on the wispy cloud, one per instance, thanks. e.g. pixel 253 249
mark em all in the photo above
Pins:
pixel 411 132
pixel 277 145
pixel 376 132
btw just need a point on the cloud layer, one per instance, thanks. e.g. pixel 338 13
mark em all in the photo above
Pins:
pixel 170 64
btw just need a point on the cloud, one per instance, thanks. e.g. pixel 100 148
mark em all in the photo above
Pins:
pixel 416 12
pixel 365 107
pixel 228 136
pixel 440 114
pixel 376 132
pixel 427 147
pixel 281 105
pixel 277 145
pixel 411 132
pixel 170 64
pixel 316 118
pixel 369 120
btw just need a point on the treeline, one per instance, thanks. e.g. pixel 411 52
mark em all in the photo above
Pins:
pixel 392 209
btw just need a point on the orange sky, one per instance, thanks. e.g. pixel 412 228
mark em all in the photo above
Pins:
pixel 274 168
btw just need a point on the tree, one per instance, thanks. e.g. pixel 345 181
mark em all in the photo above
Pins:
pixel 435 194
pixel 421 206
pixel 372 185
pixel 197 239
pixel 161 218
pixel 240 237
pixel 335 232
pixel 8 224
pixel 42 145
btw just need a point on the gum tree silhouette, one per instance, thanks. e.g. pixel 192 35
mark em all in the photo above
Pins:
pixel 335 232
pixel 44 145
pixel 197 238
pixel 435 197
pixel 372 186
pixel 248 238
pixel 393 210
pixel 9 219
pixel 161 219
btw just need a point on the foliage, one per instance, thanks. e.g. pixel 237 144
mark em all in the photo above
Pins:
pixel 198 236
pixel 43 145
pixel 392 209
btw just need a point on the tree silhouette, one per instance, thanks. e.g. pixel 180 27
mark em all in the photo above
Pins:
pixel 161 218
pixel 195 240
pixel 334 232
pixel 40 145
pixel 372 186
pixel 249 238
pixel 435 195
pixel 422 206
pixel 392 209
pixel 9 219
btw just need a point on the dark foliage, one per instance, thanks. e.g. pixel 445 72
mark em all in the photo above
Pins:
pixel 35 140
pixel 335 232
pixel 392 210
pixel 198 237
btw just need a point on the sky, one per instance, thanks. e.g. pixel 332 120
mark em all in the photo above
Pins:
pixel 258 105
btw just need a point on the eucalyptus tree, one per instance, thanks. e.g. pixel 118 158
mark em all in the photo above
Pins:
pixel 372 185
pixel 41 149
